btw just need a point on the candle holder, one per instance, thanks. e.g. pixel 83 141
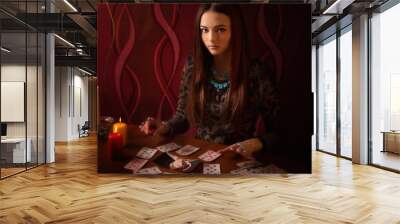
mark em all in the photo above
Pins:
pixel 121 128
pixel 104 127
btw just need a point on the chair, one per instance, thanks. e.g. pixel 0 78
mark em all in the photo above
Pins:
pixel 84 130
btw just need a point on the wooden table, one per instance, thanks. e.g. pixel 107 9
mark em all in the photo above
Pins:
pixel 115 162
pixel 391 141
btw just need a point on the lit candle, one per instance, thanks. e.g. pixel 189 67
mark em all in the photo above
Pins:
pixel 121 128
pixel 115 142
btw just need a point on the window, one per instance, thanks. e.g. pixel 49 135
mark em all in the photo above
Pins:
pixel 327 95
pixel 385 87
pixel 346 92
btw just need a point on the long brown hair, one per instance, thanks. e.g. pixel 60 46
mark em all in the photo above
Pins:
pixel 203 60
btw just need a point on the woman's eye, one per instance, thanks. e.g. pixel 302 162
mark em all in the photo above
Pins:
pixel 204 30
pixel 221 30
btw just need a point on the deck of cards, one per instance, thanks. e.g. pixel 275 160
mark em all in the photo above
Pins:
pixel 249 164
pixel 135 164
pixel 146 153
pixel 187 150
pixel 248 167
pixel 257 170
pixel 168 147
pixel 239 171
pixel 209 156
pixel 211 169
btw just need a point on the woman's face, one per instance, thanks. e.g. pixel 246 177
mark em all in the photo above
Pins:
pixel 215 32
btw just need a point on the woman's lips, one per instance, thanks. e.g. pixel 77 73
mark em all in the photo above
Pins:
pixel 212 47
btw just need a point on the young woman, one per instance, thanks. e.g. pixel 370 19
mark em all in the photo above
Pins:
pixel 221 94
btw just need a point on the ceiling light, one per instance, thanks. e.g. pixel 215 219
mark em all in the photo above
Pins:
pixel 5 50
pixel 337 7
pixel 64 40
pixel 70 5
pixel 84 71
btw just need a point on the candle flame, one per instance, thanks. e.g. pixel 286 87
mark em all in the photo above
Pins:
pixel 120 120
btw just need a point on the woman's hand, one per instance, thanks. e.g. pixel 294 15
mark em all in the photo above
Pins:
pixel 245 148
pixel 149 126
pixel 153 127
pixel 163 130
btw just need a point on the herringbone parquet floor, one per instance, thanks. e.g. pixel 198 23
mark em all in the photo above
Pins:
pixel 71 191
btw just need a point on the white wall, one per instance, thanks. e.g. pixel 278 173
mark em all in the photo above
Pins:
pixel 61 103
pixel 71 102
pixel 81 113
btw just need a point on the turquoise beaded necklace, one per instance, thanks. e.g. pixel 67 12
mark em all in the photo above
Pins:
pixel 219 85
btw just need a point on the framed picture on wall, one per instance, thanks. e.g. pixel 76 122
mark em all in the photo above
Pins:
pixel 12 101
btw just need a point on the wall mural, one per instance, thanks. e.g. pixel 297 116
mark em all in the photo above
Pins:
pixel 142 50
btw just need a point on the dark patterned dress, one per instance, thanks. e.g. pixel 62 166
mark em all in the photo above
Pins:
pixel 261 101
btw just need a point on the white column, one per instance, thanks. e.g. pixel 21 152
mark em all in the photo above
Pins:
pixel 50 92
pixel 50 109
pixel 360 90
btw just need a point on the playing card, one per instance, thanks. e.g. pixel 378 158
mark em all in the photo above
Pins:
pixel 209 156
pixel 150 170
pixel 172 156
pixel 135 164
pixel 168 147
pixel 187 150
pixel 212 169
pixel 248 164
pixel 146 153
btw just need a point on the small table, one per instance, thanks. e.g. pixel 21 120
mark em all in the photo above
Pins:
pixel 391 141
pixel 13 150
pixel 137 140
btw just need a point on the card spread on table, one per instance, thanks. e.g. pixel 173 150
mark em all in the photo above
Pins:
pixel 239 171
pixel 187 150
pixel 253 170
pixel 146 153
pixel 135 164
pixel 168 147
pixel 211 169
pixel 248 164
pixel 256 170
pixel 209 156
pixel 150 170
